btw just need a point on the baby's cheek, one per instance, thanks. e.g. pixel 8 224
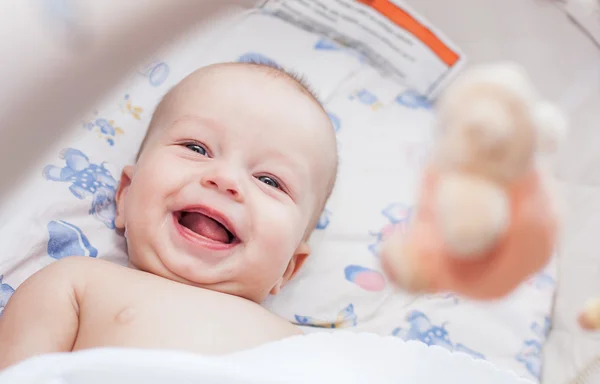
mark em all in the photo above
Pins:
pixel 280 236
pixel 160 171
pixel 281 232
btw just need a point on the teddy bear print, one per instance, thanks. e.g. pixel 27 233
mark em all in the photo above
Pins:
pixel 421 329
pixel 87 180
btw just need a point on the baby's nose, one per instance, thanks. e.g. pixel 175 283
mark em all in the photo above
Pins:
pixel 224 182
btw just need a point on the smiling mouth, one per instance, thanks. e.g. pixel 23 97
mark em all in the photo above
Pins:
pixel 207 227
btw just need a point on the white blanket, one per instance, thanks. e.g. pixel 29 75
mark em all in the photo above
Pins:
pixel 318 358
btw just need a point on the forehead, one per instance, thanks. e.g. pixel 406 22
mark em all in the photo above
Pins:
pixel 258 92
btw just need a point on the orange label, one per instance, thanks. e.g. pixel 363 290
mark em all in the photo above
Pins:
pixel 404 20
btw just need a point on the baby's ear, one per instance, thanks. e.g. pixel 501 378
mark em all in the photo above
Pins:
pixel 293 267
pixel 122 189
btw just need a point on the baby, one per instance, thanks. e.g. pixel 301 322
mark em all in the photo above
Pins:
pixel 232 176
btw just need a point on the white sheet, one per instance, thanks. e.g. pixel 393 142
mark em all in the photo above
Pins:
pixel 319 358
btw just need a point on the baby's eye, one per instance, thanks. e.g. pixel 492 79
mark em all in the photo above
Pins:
pixel 269 181
pixel 197 148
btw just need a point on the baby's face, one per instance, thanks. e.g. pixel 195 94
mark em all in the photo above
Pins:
pixel 230 177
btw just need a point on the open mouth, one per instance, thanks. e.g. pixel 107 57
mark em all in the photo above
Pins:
pixel 209 228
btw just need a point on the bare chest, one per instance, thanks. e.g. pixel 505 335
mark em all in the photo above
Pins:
pixel 173 316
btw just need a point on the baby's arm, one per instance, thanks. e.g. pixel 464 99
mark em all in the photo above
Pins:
pixel 42 316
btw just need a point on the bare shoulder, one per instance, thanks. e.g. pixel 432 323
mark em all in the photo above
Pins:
pixel 70 272
pixel 62 270
pixel 74 266
pixel 80 262
pixel 42 316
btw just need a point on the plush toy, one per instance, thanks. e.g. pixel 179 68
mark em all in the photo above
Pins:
pixel 589 318
pixel 486 217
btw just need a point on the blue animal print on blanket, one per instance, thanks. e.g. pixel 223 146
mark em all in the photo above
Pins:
pixel 345 318
pixel 542 281
pixel 366 97
pixel 423 330
pixel 335 121
pixel 413 100
pixel 531 357
pixel 326 45
pixel 399 216
pixel 105 129
pixel 129 108
pixel 530 354
pixel 258 58
pixel 324 220
pixel 157 72
pixel 6 292
pixel 87 180
pixel 447 298
pixel 65 239
pixel 542 330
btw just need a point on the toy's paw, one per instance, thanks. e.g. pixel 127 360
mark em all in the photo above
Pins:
pixel 551 127
pixel 589 319
pixel 399 263
pixel 472 213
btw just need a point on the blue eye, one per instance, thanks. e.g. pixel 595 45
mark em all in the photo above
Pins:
pixel 269 181
pixel 197 148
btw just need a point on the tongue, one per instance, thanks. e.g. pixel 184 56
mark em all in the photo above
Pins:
pixel 205 226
